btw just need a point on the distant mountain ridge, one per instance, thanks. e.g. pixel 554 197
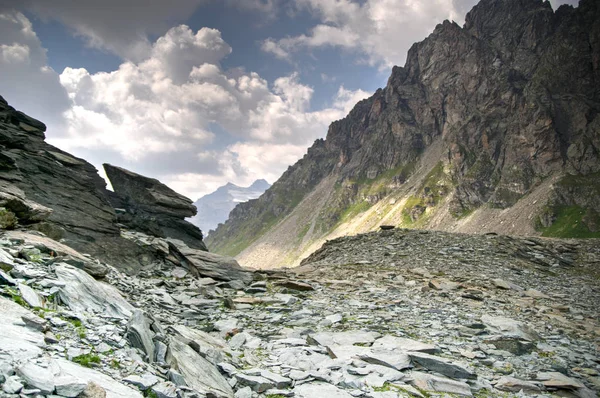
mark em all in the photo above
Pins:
pixel 493 126
pixel 215 207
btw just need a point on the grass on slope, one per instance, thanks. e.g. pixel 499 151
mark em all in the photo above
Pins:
pixel 569 224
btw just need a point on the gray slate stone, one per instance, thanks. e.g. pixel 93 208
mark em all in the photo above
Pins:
pixel 37 377
pixel 140 335
pixel 441 365
pixel 199 374
pixel 82 293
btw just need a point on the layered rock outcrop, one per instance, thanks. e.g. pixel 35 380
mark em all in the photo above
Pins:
pixel 483 114
pixel 48 190
pixel 147 205
pixel 61 195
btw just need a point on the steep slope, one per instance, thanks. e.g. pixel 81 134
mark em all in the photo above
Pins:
pixel 214 208
pixel 489 120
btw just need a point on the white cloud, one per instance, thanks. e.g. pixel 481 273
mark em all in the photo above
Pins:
pixel 26 81
pixel 121 27
pixel 163 111
pixel 379 31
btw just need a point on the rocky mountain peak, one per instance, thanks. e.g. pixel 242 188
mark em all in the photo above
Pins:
pixel 481 117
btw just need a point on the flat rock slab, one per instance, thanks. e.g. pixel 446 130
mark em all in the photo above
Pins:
pixel 212 348
pixel 202 263
pixel 140 335
pixel 509 327
pixel 82 294
pixel 113 388
pixel 394 343
pixel 30 296
pixel 199 374
pixel 343 338
pixel 513 384
pixel 35 376
pixel 74 257
pixel 430 383
pixel 441 365
pixel 319 390
pixel 18 342
pixel 559 380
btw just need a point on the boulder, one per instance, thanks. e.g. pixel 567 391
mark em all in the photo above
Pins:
pixel 199 374
pixel 204 264
pixel 153 208
pixel 54 192
pixel 82 293
pixel 140 335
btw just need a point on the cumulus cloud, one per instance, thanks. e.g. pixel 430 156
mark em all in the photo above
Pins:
pixel 379 31
pixel 158 116
pixel 121 27
pixel 26 81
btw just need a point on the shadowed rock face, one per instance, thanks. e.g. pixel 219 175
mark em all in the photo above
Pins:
pixel 57 193
pixel 149 206
pixel 513 97
pixel 64 197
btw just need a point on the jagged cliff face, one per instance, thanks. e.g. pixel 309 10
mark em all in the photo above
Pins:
pixel 481 117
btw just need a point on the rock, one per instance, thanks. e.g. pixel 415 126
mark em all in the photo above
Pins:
pixel 166 389
pixel 12 385
pixel 558 380
pixel 142 382
pixel 502 284
pixel 257 383
pixel 17 342
pixel 35 322
pixel 535 294
pixel 441 365
pixel 404 344
pixel 69 386
pixel 66 253
pixel 153 208
pixel 383 357
pixel 442 284
pixel 509 327
pixel 98 383
pixel 82 293
pixel 30 296
pixel 34 376
pixel 430 383
pixel 348 338
pixel 199 374
pixel 205 264
pixel 295 285
pixel 6 261
pixel 211 348
pixel 245 392
pixel 93 390
pixel 139 334
pixel 5 279
pixel 512 384
pixel 319 390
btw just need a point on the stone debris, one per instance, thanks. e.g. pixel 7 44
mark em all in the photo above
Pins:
pixel 372 327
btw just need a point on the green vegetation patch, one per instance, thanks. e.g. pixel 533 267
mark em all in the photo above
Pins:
pixel 569 224
pixel 434 188
pixel 87 360
pixel 8 220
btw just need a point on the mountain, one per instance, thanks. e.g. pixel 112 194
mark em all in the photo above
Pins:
pixel 214 208
pixel 493 126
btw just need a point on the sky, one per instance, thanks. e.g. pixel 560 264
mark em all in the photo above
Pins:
pixel 198 93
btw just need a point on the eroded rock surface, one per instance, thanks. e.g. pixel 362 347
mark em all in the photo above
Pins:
pixel 147 205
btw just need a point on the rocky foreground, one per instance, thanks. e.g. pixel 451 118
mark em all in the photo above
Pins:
pixel 395 313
